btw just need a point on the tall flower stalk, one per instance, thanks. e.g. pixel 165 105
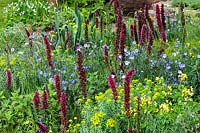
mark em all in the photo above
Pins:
pixel 135 32
pixel 148 18
pixel 45 101
pixel 112 85
pixel 150 42
pixel 140 17
pixel 86 30
pixel 126 86
pixel 36 100
pixel 160 24
pixel 97 19
pixel 63 111
pixel 81 73
pixel 8 78
pixel 163 17
pixel 118 24
pixel 48 53
pixel 122 44
pixel 106 57
pixel 143 35
pixel 57 85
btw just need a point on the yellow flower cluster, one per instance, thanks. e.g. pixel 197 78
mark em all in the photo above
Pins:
pixel 12 62
pixel 96 119
pixel 156 95
pixel 182 76
pixel 88 101
pixel 111 123
pixel 187 93
pixel 165 107
pixel 100 96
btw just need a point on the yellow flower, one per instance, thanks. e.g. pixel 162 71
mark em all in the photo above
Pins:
pixel 12 62
pixel 80 100
pixel 111 123
pixel 100 96
pixel 182 76
pixel 165 107
pixel 59 47
pixel 100 114
pixel 135 81
pixel 146 101
pixel 88 101
pixel 96 119
pixel 187 93
pixel 156 95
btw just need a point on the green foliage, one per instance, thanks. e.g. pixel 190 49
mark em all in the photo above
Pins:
pixel 29 12
pixel 192 4
pixel 163 109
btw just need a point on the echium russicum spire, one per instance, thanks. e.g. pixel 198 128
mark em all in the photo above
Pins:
pixel 112 85
pixel 122 43
pixel 127 81
pixel 45 101
pixel 8 78
pixel 57 85
pixel 97 19
pixel 163 17
pixel 135 32
pixel 86 30
pixel 63 111
pixel 140 17
pixel 118 24
pixel 106 56
pixel 143 35
pixel 36 100
pixel 48 53
pixel 150 42
pixel 81 73
pixel 160 24
pixel 148 18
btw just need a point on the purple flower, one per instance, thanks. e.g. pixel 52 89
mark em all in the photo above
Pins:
pixel 181 66
pixel 168 66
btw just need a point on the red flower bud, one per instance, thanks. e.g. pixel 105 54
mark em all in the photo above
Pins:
pixel 8 78
pixel 112 84
pixel 36 100
pixel 127 81
pixel 57 85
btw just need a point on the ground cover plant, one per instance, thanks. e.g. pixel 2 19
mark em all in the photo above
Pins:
pixel 73 69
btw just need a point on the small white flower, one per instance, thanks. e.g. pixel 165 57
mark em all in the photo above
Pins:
pixel 12 50
pixel 86 45
pixel 134 42
pixel 113 76
pixel 179 72
pixel 127 63
pixel 198 56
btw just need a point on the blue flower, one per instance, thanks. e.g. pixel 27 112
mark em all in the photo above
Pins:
pixel 168 66
pixel 181 66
